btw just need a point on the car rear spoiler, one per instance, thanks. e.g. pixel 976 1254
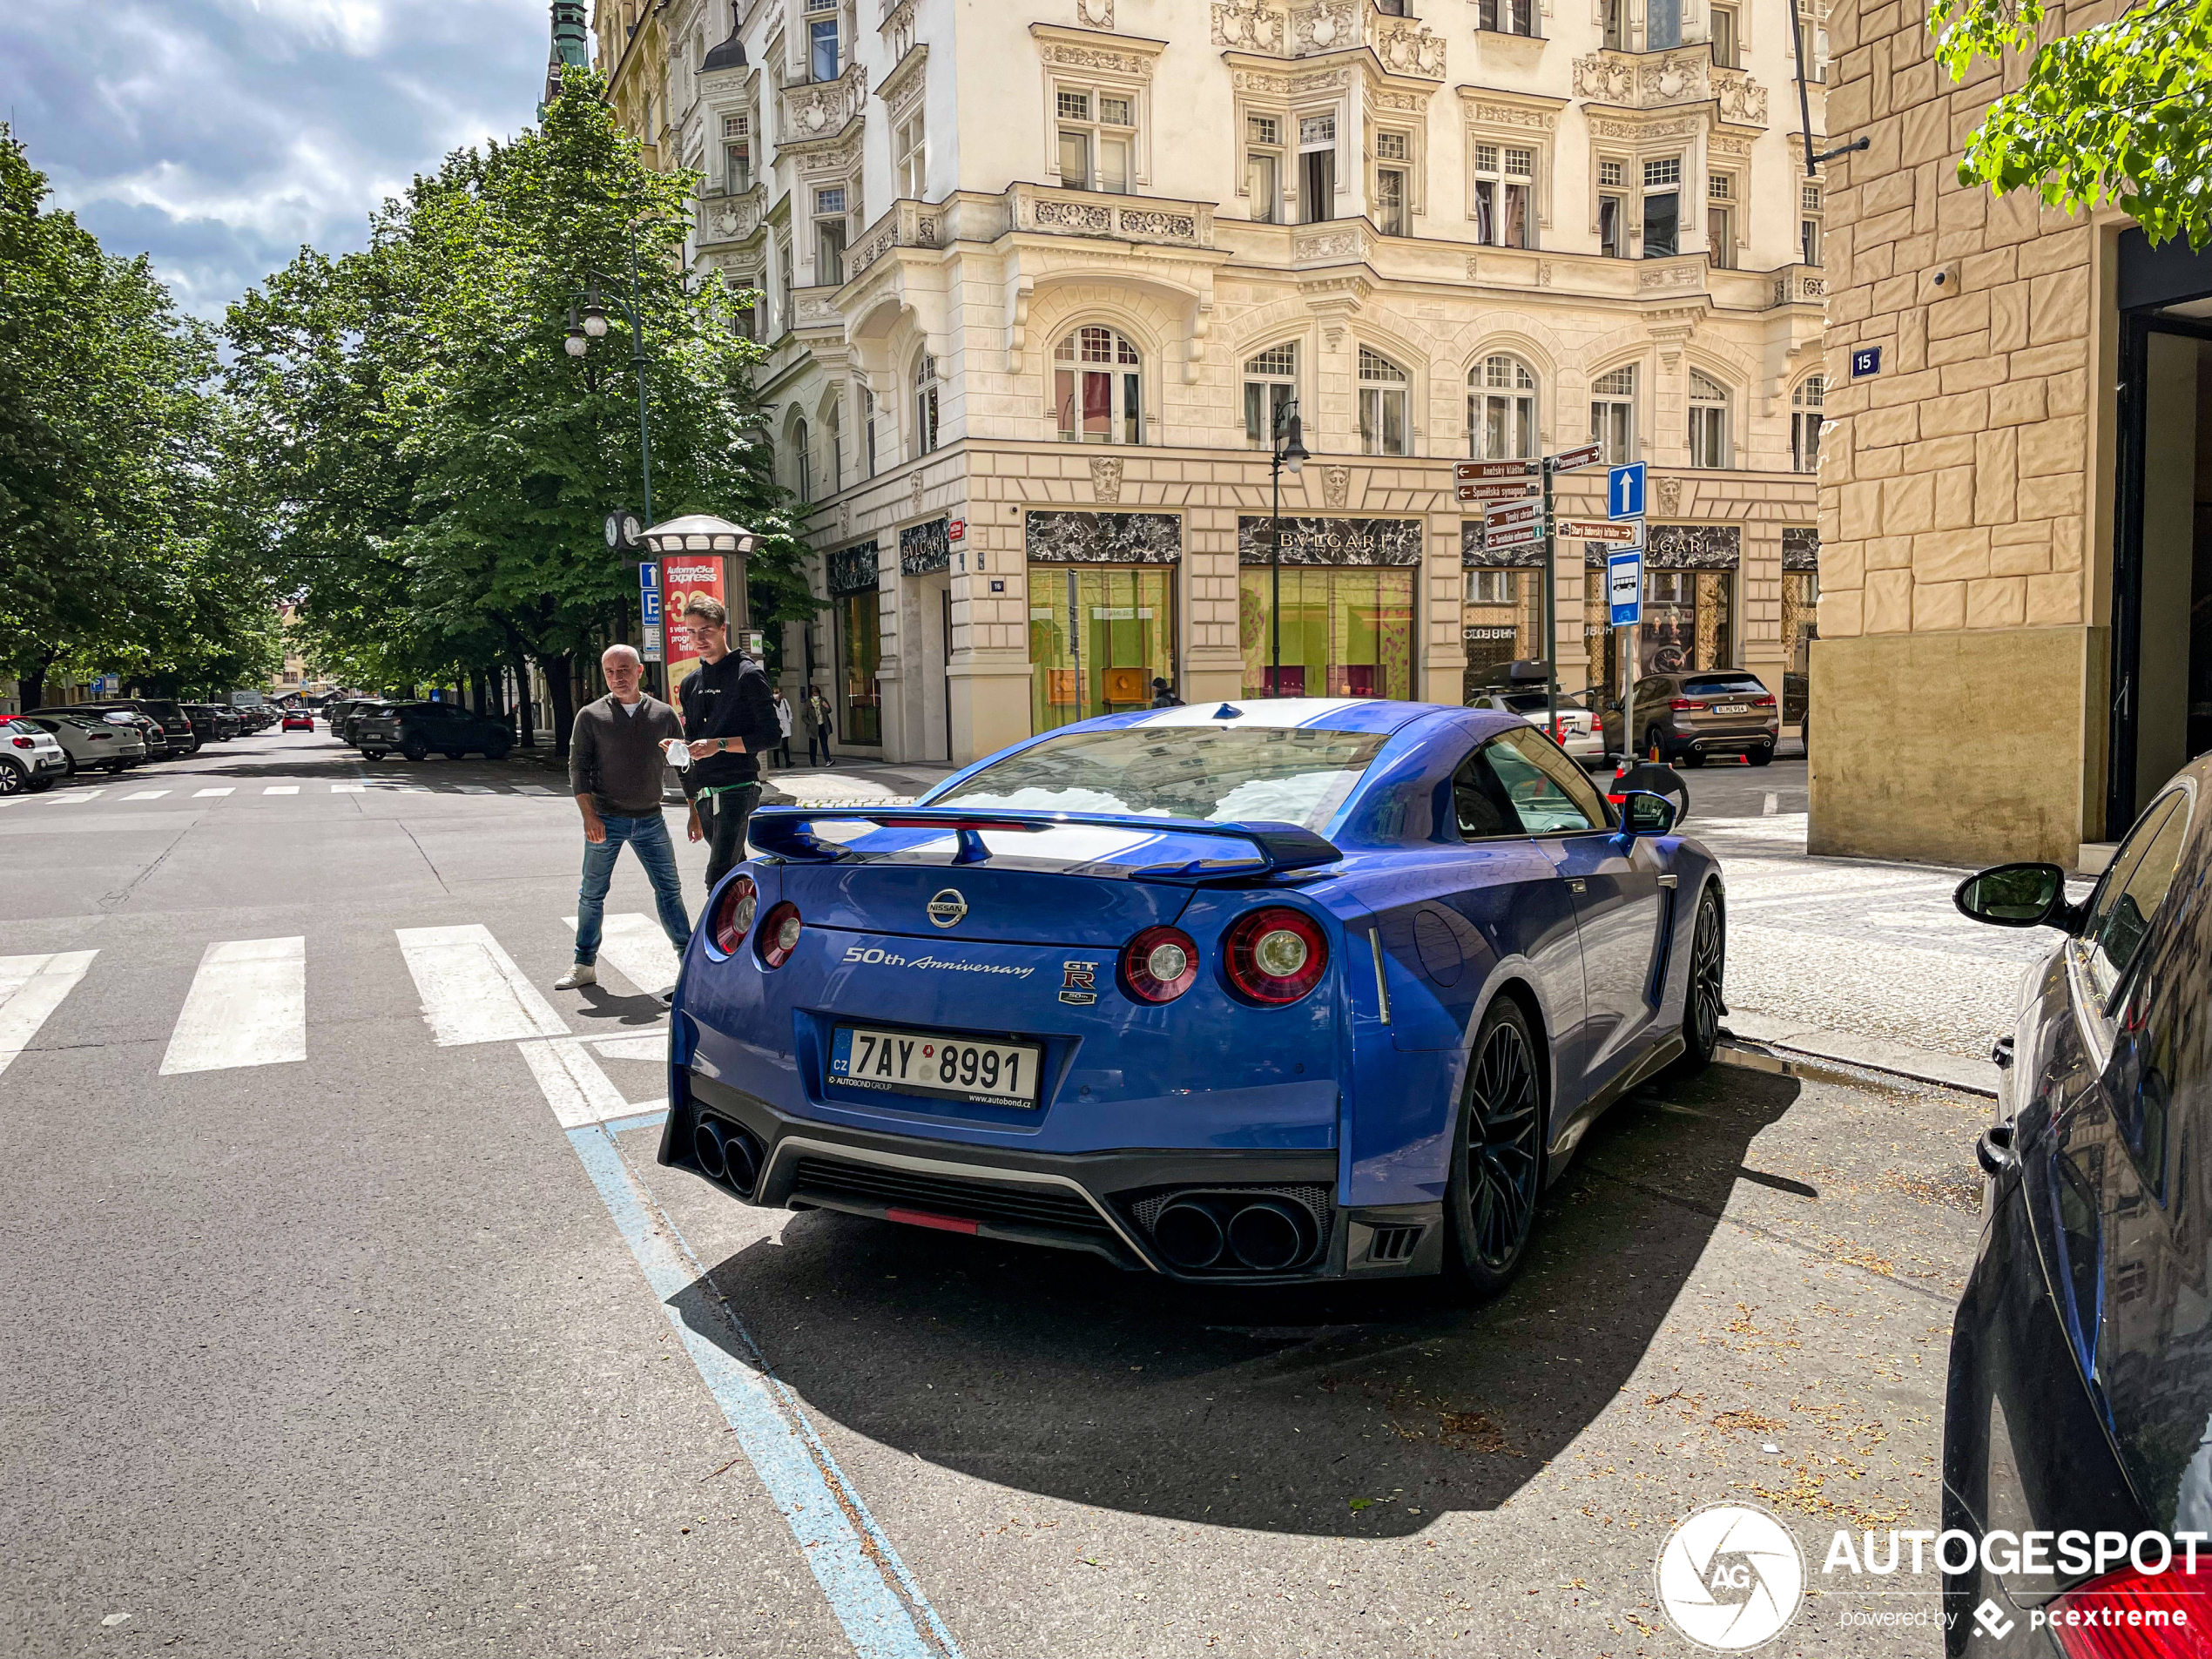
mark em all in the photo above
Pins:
pixel 787 832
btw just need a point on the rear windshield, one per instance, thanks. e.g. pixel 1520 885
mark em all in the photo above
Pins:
pixel 1535 703
pixel 1279 774
pixel 1724 685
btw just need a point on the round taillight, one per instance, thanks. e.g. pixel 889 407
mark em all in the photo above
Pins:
pixel 1159 965
pixel 1274 956
pixel 733 914
pixel 778 935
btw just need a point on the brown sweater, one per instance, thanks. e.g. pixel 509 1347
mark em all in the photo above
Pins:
pixel 615 756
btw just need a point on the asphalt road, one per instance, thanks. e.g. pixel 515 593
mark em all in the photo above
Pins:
pixel 330 1335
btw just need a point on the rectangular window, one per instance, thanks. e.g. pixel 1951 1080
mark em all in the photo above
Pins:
pixel 1390 201
pixel 1612 227
pixel 1662 225
pixel 867 427
pixel 1720 236
pixel 1100 152
pixel 1804 440
pixel 1504 188
pixel 1270 386
pixel 1616 25
pixel 1347 631
pixel 913 144
pixel 1662 25
pixel 737 167
pixel 1318 181
pixel 1724 38
pixel 860 653
pixel 1708 435
pixel 1490 587
pixel 1613 415
pixel 1507 17
pixel 1075 158
pixel 1608 175
pixel 1264 184
pixel 1808 241
pixel 821 49
pixel 1099 635
pixel 829 252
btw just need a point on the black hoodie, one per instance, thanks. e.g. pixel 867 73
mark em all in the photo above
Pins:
pixel 730 698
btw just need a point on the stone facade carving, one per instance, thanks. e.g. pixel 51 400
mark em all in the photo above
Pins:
pixel 1104 538
pixel 1669 274
pixel 1331 541
pixel 1105 478
pixel 1336 486
pixel 1325 26
pixel 1741 100
pixel 1095 14
pixel 819 109
pixel 898 26
pixel 1407 46
pixel 1609 77
pixel 1060 54
pixel 1134 219
pixel 1669 493
pixel 1512 115
pixel 1653 80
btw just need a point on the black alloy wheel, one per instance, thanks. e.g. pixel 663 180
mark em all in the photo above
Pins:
pixel 1497 1153
pixel 415 749
pixel 1702 1004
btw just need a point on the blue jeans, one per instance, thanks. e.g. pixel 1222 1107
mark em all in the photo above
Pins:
pixel 648 838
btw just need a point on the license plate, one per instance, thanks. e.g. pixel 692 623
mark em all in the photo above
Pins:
pixel 920 1062
pixel 1731 708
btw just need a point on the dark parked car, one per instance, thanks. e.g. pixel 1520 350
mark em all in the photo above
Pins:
pixel 1687 717
pixel 222 722
pixel 418 729
pixel 2080 1381
pixel 343 712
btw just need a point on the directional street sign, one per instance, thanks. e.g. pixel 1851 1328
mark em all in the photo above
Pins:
pixel 1499 541
pixel 1506 516
pixel 1624 588
pixel 1624 492
pixel 1598 529
pixel 1511 489
pixel 1587 455
pixel 1475 472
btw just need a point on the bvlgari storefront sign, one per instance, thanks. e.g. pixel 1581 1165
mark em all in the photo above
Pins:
pixel 1331 541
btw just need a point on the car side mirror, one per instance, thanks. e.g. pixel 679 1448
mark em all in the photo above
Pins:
pixel 2017 895
pixel 1645 813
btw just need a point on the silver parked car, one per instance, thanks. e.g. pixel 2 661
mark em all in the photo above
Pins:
pixel 88 741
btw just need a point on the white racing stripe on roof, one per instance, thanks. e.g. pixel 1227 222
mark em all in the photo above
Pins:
pixel 1265 712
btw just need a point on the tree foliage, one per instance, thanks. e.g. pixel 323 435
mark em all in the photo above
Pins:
pixel 2119 112
pixel 435 469
pixel 119 549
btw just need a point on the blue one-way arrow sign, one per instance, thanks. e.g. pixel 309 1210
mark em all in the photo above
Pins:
pixel 1625 491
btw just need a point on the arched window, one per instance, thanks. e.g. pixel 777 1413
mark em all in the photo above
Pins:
pixel 1709 435
pixel 1804 424
pixel 1097 386
pixel 1383 427
pixel 1271 387
pixel 1613 415
pixel 1501 411
pixel 799 439
pixel 925 403
pixel 834 419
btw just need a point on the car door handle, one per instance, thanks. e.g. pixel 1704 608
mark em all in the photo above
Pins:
pixel 1575 884
pixel 1669 880
pixel 1995 1151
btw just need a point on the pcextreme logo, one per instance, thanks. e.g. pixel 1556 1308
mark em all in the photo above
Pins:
pixel 1730 1577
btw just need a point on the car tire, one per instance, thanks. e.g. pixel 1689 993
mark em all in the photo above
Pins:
pixel 11 779
pixel 1702 1004
pixel 498 751
pixel 1761 757
pixel 115 767
pixel 372 755
pixel 38 785
pixel 69 762
pixel 415 751
pixel 1497 1175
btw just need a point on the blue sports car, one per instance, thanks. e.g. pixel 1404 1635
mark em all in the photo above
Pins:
pixel 1272 991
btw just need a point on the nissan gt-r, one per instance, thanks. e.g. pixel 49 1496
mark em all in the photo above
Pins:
pixel 1260 992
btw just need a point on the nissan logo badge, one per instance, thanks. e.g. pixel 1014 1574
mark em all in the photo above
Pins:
pixel 947 908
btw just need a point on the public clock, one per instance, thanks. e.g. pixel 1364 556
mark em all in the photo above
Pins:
pixel 623 528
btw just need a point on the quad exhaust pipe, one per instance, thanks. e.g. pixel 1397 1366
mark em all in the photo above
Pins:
pixel 1263 1235
pixel 727 1153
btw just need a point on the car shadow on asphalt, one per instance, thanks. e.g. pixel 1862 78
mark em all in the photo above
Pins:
pixel 1365 1409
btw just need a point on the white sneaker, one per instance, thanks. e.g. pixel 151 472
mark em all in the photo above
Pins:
pixel 581 975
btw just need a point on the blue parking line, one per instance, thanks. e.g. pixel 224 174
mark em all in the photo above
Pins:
pixel 875 1598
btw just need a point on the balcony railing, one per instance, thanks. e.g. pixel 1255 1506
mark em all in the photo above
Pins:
pixel 822 109
pixel 906 223
pixel 1126 218
pixel 1681 75
pixel 1406 45
pixel 1796 284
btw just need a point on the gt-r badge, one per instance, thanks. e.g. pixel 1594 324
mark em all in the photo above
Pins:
pixel 1079 983
pixel 947 908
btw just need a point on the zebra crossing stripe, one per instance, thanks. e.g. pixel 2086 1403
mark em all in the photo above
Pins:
pixel 202 794
pixel 638 950
pixel 31 988
pixel 147 794
pixel 349 789
pixel 247 1006
pixel 472 991
pixel 282 789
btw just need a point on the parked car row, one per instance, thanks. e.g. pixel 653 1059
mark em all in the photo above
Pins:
pixel 112 734
pixel 1682 718
pixel 378 727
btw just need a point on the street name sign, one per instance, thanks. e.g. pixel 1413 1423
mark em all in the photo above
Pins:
pixel 1475 472
pixel 1506 516
pixel 1585 455
pixel 1499 541
pixel 1599 529
pixel 1624 587
pixel 1625 491
pixel 1512 489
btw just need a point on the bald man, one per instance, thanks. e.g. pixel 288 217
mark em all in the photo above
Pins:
pixel 615 766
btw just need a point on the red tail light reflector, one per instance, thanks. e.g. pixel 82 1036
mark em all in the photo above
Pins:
pixel 2133 1615
pixel 1762 701
pixel 779 936
pixel 22 743
pixel 1274 956
pixel 1159 965
pixel 1684 703
pixel 734 914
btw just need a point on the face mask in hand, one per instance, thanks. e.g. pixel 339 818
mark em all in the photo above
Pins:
pixel 678 754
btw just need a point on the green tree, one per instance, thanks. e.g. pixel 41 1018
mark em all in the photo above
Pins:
pixel 2119 112
pixel 115 548
pixel 438 468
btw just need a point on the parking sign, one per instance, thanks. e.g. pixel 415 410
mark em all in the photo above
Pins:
pixel 1625 491
pixel 1624 587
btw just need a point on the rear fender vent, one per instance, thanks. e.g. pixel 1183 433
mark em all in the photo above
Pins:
pixel 1394 1244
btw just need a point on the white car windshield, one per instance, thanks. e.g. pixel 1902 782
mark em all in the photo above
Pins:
pixel 1272 774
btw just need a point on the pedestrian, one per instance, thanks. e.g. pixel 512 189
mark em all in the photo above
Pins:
pixel 729 719
pixel 818 719
pixel 1163 696
pixel 783 724
pixel 615 768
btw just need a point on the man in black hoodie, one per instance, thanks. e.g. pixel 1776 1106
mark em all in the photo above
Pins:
pixel 729 719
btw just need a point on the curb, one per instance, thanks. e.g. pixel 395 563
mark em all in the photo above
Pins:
pixel 1770 1045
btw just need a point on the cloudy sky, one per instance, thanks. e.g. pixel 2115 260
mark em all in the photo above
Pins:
pixel 220 135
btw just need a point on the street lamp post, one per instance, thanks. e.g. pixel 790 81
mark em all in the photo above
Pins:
pixel 1290 456
pixel 592 325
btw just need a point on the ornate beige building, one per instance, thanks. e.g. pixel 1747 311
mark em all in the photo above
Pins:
pixel 1038 280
